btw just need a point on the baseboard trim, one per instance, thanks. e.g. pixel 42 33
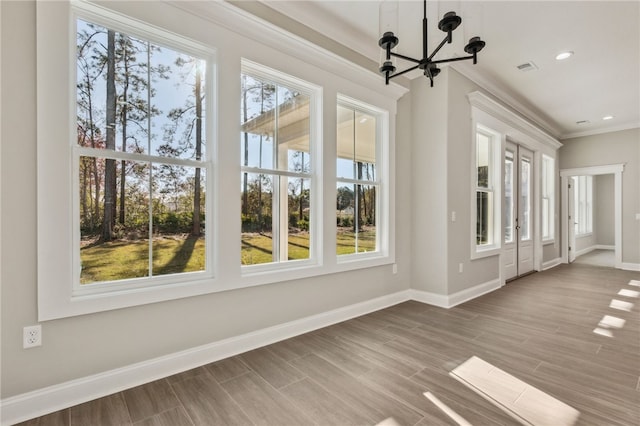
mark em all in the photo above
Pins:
pixel 473 292
pixel 47 400
pixel 630 266
pixel 594 247
pixel 53 398
pixel 551 263
pixel 455 299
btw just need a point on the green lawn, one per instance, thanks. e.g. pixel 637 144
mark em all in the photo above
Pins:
pixel 345 241
pixel 122 259
pixel 257 248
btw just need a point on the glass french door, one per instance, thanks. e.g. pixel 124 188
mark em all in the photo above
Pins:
pixel 518 211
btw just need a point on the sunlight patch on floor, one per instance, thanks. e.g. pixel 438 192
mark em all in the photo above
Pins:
pixel 389 422
pixel 446 409
pixel 629 293
pixel 603 332
pixel 621 305
pixel 611 322
pixel 634 283
pixel 523 402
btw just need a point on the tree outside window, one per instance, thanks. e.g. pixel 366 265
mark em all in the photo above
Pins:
pixel 357 191
pixel 141 151
pixel 276 158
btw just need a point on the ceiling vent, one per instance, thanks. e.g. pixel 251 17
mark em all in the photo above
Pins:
pixel 583 122
pixel 528 66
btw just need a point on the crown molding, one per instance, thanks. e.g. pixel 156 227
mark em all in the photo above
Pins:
pixel 497 110
pixel 602 130
pixel 232 18
pixel 497 90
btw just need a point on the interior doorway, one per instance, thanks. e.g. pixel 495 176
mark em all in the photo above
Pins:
pixel 569 247
pixel 518 247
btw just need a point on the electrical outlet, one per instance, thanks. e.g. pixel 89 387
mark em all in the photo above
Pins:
pixel 32 336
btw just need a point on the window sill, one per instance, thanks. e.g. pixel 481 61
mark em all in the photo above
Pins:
pixel 487 251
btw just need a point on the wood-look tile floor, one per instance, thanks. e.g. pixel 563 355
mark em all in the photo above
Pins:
pixel 539 329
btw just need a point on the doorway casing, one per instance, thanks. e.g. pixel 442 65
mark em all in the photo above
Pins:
pixel 565 176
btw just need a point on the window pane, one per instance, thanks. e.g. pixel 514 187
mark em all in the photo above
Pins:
pixel 135 96
pixel 273 231
pixel 483 148
pixel 356 144
pixel 178 219
pixel 508 198
pixel 258 102
pixel 126 254
pixel 292 119
pixel 525 200
pixel 545 218
pixel 356 218
pixel 257 219
pixel 484 218
pixel 274 113
pixel 548 197
pixel 299 219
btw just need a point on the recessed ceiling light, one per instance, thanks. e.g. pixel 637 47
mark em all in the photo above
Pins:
pixel 564 55
pixel 607 117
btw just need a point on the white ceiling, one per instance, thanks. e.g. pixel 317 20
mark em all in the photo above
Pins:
pixel 602 77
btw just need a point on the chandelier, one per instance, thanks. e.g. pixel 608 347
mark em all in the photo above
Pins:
pixel 427 64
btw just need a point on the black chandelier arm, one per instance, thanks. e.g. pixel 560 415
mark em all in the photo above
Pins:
pixel 463 58
pixel 403 72
pixel 442 43
pixel 406 58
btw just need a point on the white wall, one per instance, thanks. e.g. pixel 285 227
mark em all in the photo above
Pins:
pixel 81 346
pixel 460 145
pixel 428 205
pixel 622 147
pixel 603 210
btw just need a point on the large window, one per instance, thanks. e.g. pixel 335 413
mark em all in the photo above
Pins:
pixel 358 181
pixel 484 189
pixel 548 198
pixel 138 203
pixel 486 177
pixel 277 155
pixel 140 156
pixel 583 203
pixel 124 169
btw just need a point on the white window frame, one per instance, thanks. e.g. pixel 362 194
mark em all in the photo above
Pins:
pixel 314 92
pixel 496 141
pixel 382 155
pixel 548 197
pixel 59 292
pixel 240 36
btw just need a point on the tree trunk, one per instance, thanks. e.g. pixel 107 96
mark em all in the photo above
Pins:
pixel 360 201
pixel 196 188
pixel 108 221
pixel 123 119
